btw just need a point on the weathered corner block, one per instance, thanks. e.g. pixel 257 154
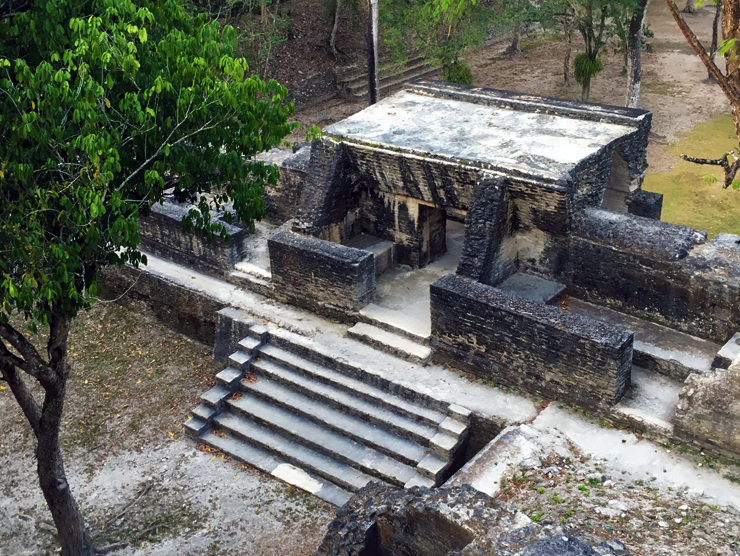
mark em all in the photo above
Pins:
pixel 539 348
pixel 320 275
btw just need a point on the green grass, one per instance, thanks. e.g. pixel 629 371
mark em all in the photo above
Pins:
pixel 687 199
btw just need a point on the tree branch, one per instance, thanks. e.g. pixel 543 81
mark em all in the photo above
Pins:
pixel 22 395
pixel 724 162
pixel 699 49
pixel 33 364
pixel 8 8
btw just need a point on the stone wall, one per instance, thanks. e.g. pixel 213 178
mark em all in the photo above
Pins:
pixel 708 412
pixel 325 277
pixel 538 348
pixel 283 199
pixel 162 235
pixel 330 203
pixel 188 311
pixel 487 226
pixel 659 271
pixel 646 204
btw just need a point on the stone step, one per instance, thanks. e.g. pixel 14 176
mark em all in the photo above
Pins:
pixel 412 68
pixel 394 445
pixel 195 426
pixel 322 440
pixel 253 270
pixel 398 323
pixel 253 278
pixel 390 342
pixel 649 405
pixel 292 452
pixel 325 397
pixel 216 396
pixel 359 71
pixel 391 84
pixel 268 463
pixel 358 360
pixel 352 385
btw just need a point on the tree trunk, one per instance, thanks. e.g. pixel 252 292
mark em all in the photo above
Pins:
pixel 634 55
pixel 516 43
pixel 689 7
pixel 372 52
pixel 568 50
pixel 333 39
pixel 64 510
pixel 586 90
pixel 715 30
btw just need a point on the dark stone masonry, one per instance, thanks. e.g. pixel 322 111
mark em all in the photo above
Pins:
pixel 162 235
pixel 320 275
pixel 382 521
pixel 539 348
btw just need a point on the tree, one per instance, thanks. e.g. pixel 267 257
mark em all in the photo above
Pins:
pixel 441 31
pixel 633 52
pixel 729 82
pixel 100 100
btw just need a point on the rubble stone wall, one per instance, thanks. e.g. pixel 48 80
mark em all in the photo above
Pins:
pixel 708 412
pixel 538 348
pixel 320 275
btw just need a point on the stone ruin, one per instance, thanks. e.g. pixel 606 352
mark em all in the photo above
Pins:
pixel 550 195
pixel 461 521
pixel 502 234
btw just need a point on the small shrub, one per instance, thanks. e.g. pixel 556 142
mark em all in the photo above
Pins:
pixel 459 72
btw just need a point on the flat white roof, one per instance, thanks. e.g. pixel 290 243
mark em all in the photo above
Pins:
pixel 533 143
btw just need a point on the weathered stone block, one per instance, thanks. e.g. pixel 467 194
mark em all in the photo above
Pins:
pixel 646 204
pixel 708 412
pixel 486 228
pixel 283 199
pixel 321 275
pixel 232 326
pixel 538 348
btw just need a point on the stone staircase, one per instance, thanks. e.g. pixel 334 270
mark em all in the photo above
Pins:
pixel 352 80
pixel 291 408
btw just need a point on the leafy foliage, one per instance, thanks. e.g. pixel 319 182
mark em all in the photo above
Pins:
pixel 100 101
pixel 584 68
pixel 459 73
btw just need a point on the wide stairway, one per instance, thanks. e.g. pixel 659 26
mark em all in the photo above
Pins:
pixel 352 80
pixel 287 407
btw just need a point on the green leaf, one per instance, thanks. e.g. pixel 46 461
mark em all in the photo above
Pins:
pixel 725 46
pixel 142 35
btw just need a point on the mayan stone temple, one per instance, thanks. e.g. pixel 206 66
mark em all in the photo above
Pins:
pixel 452 231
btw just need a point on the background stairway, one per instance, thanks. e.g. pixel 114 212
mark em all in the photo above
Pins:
pixel 352 80
pixel 319 422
